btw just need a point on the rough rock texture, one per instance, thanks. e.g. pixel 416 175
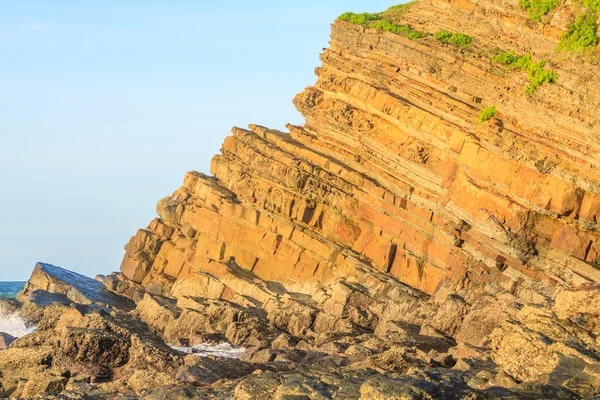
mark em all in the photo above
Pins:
pixel 5 340
pixel 394 219
pixel 392 247
pixel 49 284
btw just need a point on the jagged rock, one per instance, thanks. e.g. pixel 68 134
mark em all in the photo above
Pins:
pixel 150 380
pixel 538 348
pixel 6 340
pixel 284 342
pixel 118 284
pixel 82 343
pixel 9 306
pixel 291 316
pixel 74 287
pixel 208 370
pixel 47 384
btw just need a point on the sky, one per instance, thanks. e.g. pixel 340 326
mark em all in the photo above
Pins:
pixel 105 105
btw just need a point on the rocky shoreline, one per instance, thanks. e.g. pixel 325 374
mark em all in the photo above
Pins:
pixel 92 343
pixel 431 232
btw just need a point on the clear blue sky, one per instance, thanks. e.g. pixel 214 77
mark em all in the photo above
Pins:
pixel 104 105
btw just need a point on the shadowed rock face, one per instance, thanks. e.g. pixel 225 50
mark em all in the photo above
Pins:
pixel 392 247
pixel 72 286
pixel 5 340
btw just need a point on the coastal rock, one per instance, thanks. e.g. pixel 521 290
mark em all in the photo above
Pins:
pixel 397 245
pixel 82 343
pixel 64 285
pixel 6 340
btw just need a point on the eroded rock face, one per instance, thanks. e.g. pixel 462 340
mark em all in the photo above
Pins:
pixel 392 247
pixel 5 340
pixel 393 229
pixel 50 284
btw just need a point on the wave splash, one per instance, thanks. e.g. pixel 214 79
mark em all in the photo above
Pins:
pixel 14 325
pixel 217 350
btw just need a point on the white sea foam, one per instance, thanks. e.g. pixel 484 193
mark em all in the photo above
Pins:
pixel 217 350
pixel 14 325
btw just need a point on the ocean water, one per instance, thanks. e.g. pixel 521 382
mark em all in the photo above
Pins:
pixel 10 289
pixel 9 322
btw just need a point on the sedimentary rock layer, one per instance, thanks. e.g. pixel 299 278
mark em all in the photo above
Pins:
pixel 393 245
pixel 393 184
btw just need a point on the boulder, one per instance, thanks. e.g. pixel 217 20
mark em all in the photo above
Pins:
pixel 72 286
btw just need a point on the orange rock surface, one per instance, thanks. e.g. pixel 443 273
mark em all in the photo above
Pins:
pixel 393 170
pixel 393 202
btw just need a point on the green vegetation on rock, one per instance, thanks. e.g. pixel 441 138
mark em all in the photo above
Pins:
pixel 414 35
pixel 358 19
pixel 457 39
pixel 538 8
pixel 487 113
pixel 593 5
pixel 384 21
pixel 582 34
pixel 390 26
pixel 537 74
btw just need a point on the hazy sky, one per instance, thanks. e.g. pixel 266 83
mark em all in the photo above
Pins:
pixel 104 105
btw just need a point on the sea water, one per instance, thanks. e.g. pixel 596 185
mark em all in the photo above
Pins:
pixel 9 322
pixel 10 289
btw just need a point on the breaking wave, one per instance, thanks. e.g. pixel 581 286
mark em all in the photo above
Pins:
pixel 218 350
pixel 14 325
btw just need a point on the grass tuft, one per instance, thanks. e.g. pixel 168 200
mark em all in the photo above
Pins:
pixel 487 113
pixel 390 26
pixel 415 35
pixel 537 74
pixel 457 39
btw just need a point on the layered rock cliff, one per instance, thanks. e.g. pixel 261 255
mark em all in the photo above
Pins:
pixel 405 239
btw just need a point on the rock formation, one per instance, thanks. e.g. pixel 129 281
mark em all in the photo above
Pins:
pixel 398 245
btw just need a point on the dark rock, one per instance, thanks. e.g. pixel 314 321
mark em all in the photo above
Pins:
pixel 6 340
pixel 75 287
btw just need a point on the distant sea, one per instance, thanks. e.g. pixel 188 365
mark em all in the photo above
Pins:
pixel 10 322
pixel 10 289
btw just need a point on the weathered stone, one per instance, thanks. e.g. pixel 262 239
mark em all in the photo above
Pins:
pixel 5 340
pixel 73 286
pixel 150 380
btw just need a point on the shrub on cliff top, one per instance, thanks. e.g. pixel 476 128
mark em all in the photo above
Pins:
pixel 381 21
pixel 358 19
pixel 487 113
pixel 538 8
pixel 537 74
pixel 457 39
